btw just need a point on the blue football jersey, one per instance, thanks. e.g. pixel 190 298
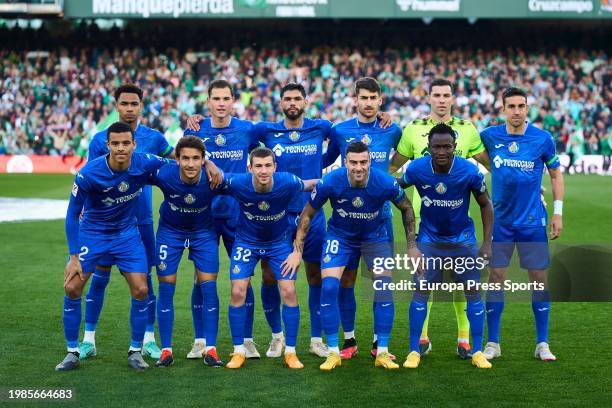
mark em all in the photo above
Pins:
pixel 263 217
pixel 298 151
pixel 186 207
pixel 108 198
pixel 147 141
pixel 228 148
pixel 517 165
pixel 357 212
pixel 445 199
pixel 380 142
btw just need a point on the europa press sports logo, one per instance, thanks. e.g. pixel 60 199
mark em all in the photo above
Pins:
pixel 123 187
pixel 513 148
pixel 357 202
pixel 294 136
pixel 189 199
pixel 366 139
pixel 440 188
pixel 220 140
pixel 263 206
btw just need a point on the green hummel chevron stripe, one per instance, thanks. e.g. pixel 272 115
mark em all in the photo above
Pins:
pixel 551 161
pixel 166 151
pixel 475 149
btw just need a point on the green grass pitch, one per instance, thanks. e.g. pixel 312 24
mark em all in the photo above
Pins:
pixel 33 256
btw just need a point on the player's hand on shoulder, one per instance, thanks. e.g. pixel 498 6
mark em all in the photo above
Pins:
pixel 73 268
pixel 291 264
pixel 213 173
pixel 385 119
pixel 193 122
pixel 556 226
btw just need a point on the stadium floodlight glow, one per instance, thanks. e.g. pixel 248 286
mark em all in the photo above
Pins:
pixel 472 20
pixel 427 20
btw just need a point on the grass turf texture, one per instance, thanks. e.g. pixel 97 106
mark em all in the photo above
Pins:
pixel 33 257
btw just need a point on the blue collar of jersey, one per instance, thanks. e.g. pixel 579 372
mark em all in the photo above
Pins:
pixel 516 134
pixel 225 127
pixel 449 170
pixel 366 125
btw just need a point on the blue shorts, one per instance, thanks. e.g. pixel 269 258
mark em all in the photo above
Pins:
pixel 531 242
pixel 440 256
pixel 315 238
pixel 245 256
pixel 202 245
pixel 340 252
pixel 226 228
pixel 147 234
pixel 124 249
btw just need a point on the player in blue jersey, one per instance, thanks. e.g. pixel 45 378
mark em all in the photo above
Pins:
pixel 519 153
pixel 128 99
pixel 106 191
pixel 186 223
pixel 381 143
pixel 297 143
pixel 264 197
pixel 357 194
pixel 447 235
pixel 228 141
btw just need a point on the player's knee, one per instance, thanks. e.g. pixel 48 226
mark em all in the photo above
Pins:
pixel 497 275
pixel 238 293
pixel 140 291
pixel 289 295
pixel 267 277
pixel 313 274
pixel 73 289
pixel 348 279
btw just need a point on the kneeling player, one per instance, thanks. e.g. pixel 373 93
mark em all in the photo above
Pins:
pixel 186 222
pixel 106 190
pixel 356 228
pixel 264 197
pixel 446 232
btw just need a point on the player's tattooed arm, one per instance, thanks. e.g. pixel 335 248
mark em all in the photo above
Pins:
pixel 408 220
pixel 486 214
pixel 291 264
pixel 397 161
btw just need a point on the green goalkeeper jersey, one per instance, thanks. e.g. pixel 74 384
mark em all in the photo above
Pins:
pixel 413 144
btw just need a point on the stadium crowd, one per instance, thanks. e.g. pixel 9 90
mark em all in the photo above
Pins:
pixel 50 102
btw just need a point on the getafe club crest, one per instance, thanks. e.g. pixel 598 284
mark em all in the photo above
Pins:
pixel 357 202
pixel 327 258
pixel 441 188
pixel 236 269
pixel 513 148
pixel 123 187
pixel 263 206
pixel 294 136
pixel 189 199
pixel 366 139
pixel 162 266
pixel 220 140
